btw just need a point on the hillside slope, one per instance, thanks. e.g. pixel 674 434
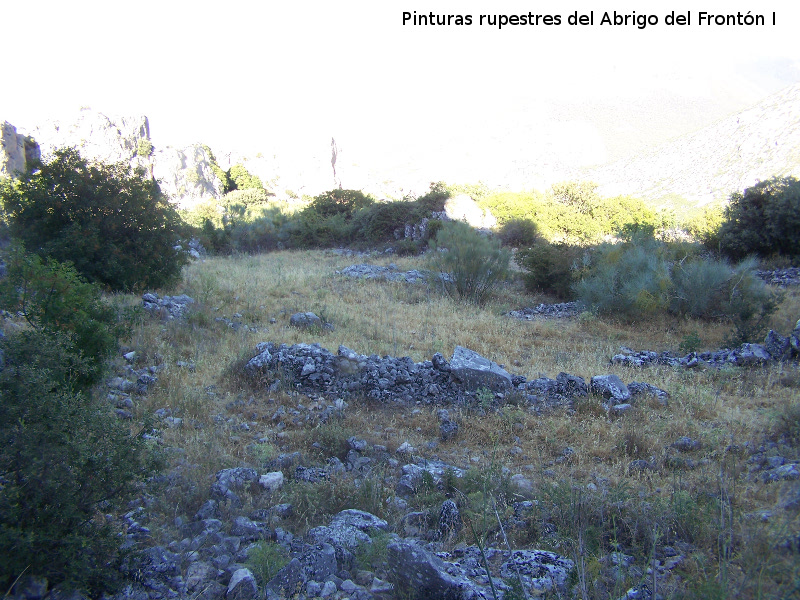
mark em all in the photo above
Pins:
pixel 730 155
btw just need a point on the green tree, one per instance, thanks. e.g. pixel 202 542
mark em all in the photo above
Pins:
pixel 112 223
pixel 764 220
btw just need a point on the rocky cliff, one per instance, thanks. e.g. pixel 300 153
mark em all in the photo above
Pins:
pixel 185 174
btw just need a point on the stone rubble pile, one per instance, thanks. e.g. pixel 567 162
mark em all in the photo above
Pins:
pixel 775 348
pixel 781 277
pixel 468 377
pixel 563 310
pixel 168 307
pixel 390 273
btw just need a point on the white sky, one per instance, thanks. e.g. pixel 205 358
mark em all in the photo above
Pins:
pixel 258 74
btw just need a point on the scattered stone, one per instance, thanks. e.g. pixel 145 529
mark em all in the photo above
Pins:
pixel 782 473
pixel 271 481
pixel 414 570
pixel 538 569
pixel 390 273
pixel 168 307
pixel 564 310
pixel 686 444
pixel 639 465
pixel 310 474
pixel 777 346
pixel 637 389
pixel 619 409
pixel 405 448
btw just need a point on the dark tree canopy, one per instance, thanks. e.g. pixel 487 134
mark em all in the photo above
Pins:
pixel 111 222
pixel 764 220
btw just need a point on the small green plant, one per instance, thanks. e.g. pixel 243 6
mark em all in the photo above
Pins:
pixel 145 148
pixel 65 461
pixel 265 560
pixel 370 557
pixel 690 343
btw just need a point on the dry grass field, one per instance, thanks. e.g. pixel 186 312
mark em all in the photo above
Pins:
pixel 733 534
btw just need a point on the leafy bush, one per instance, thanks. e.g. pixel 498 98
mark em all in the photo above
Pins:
pixel 476 264
pixel 644 276
pixel 378 222
pixel 65 461
pixel 518 233
pixel 248 197
pixel 628 279
pixel 764 220
pixel 712 289
pixel 551 268
pixel 113 224
pixel 52 296
pixel 705 225
pixel 339 202
pixel 241 179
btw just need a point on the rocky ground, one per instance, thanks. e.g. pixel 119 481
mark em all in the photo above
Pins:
pixel 215 553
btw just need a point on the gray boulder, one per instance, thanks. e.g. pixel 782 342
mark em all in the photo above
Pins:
pixel 242 586
pixel 610 387
pixel 751 354
pixel 314 563
pixel 474 371
pixel 538 569
pixel 778 347
pixel 414 570
pixel 305 320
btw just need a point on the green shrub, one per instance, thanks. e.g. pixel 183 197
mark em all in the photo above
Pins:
pixel 645 276
pixel 339 202
pixel 628 279
pixel 113 224
pixel 434 200
pixel 378 222
pixel 248 197
pixel 712 289
pixel 550 268
pixel 764 220
pixel 241 179
pixel 476 264
pixel 52 296
pixel 65 461
pixel 519 233
pixel 227 184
